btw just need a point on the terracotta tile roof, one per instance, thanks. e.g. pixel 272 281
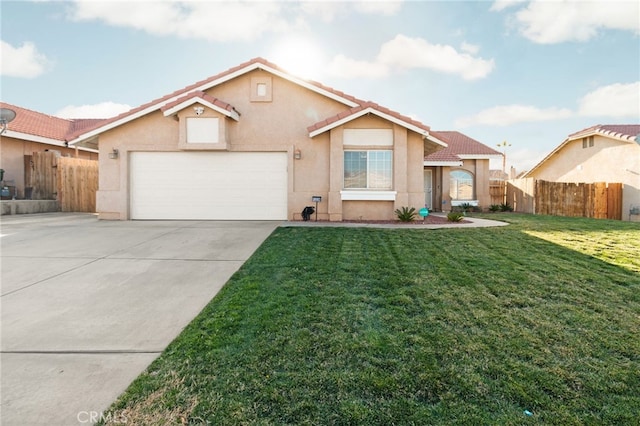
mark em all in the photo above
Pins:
pixel 202 95
pixel 363 106
pixel 459 145
pixel 46 126
pixel 622 131
pixel 204 83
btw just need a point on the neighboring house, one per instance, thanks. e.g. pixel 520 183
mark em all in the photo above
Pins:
pixel 256 143
pixel 33 132
pixel 602 153
pixel 459 173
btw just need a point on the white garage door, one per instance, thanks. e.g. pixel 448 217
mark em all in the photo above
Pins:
pixel 208 185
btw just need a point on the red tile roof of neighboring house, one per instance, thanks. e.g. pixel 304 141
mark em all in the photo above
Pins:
pixel 46 126
pixel 460 146
pixel 622 131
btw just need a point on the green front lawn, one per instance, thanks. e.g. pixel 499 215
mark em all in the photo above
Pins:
pixel 404 326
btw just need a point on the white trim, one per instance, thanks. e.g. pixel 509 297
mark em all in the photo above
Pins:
pixel 173 110
pixel 480 156
pixel 206 86
pixel 371 110
pixel 42 139
pixel 442 163
pixel 356 195
pixel 457 203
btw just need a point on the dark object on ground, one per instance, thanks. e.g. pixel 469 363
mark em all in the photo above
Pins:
pixel 307 212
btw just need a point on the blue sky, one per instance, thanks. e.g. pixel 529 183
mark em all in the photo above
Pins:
pixel 525 72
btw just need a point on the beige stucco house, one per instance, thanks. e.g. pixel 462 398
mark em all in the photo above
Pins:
pixel 31 132
pixel 602 153
pixel 256 143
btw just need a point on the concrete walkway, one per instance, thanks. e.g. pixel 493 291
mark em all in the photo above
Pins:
pixel 87 305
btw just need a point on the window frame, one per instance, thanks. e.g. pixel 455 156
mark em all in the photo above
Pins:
pixel 368 170
pixel 453 180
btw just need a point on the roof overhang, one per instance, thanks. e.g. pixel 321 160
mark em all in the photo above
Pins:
pixel 207 85
pixel 370 110
pixel 442 163
pixel 41 139
pixel 480 156
pixel 197 99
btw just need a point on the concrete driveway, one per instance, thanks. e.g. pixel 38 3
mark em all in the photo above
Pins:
pixel 87 305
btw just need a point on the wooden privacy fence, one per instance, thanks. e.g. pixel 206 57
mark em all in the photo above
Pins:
pixel 497 191
pixel 41 176
pixel 71 181
pixel 598 200
pixel 77 184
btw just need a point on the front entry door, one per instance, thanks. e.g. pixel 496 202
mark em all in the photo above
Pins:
pixel 428 189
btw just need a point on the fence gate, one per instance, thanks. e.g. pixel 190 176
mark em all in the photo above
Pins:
pixel 71 181
pixel 77 184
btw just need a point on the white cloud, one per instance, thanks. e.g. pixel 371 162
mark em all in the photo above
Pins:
pixel 505 115
pixel 24 61
pixel 404 52
pixel 221 21
pixel 472 49
pixel 378 7
pixel 499 5
pixel 100 110
pixel 328 11
pixel 214 21
pixel 616 100
pixel 548 22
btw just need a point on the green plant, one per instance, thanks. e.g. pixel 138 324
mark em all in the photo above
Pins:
pixel 466 207
pixel 406 214
pixel 506 207
pixel 455 216
pixel 494 207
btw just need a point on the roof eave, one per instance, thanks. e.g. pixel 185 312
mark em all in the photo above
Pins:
pixel 175 109
pixel 442 163
pixel 388 117
pixel 205 86
pixel 480 156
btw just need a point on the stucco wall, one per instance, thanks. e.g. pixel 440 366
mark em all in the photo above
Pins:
pixel 13 151
pixel 276 125
pixel 480 170
pixel 608 160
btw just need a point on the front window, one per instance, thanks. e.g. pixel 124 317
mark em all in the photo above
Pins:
pixel 368 170
pixel 461 185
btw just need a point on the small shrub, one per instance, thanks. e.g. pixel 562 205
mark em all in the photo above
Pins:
pixel 455 216
pixel 494 207
pixel 466 207
pixel 505 207
pixel 406 214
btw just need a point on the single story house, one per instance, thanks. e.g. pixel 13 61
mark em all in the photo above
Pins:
pixel 601 153
pixel 459 173
pixel 257 143
pixel 31 132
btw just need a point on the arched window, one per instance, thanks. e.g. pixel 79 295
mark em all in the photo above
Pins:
pixel 461 185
